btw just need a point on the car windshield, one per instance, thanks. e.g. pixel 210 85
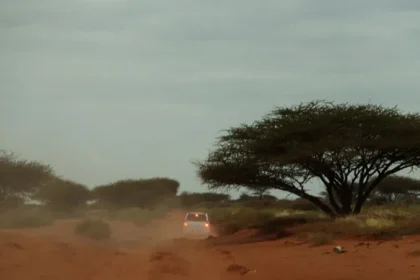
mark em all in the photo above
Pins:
pixel 196 218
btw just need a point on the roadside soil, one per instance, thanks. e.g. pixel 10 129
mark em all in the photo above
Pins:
pixel 157 252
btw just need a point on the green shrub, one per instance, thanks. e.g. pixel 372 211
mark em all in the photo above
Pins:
pixel 93 228
pixel 25 218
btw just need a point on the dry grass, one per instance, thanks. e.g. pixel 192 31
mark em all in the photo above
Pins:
pixel 375 222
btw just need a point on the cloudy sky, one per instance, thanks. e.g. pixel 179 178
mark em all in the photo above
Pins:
pixel 109 89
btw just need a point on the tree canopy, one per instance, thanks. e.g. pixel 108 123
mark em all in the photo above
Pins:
pixel 145 193
pixel 339 145
pixel 63 195
pixel 20 177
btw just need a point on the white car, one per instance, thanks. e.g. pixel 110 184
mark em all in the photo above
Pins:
pixel 196 224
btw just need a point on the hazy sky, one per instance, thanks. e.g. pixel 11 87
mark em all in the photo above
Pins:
pixel 108 89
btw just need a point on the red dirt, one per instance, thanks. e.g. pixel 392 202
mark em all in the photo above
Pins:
pixel 141 253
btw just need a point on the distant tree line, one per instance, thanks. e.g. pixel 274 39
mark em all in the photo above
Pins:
pixel 23 180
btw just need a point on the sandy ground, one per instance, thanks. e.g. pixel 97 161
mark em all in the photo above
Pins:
pixel 155 252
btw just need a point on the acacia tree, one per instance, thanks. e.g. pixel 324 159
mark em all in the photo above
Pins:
pixel 340 145
pixel 19 177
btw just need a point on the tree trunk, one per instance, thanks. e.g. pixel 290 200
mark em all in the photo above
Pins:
pixel 359 204
pixel 331 199
pixel 346 201
pixel 363 196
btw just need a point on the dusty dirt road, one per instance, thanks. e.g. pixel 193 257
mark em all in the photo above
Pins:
pixel 139 253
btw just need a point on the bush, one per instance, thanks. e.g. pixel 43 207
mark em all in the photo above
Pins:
pixel 230 220
pixel 25 218
pixel 136 215
pixel 279 224
pixel 374 222
pixel 377 223
pixel 261 203
pixel 12 202
pixel 191 200
pixel 64 196
pixel 93 228
pixel 268 221
pixel 301 205
pixel 220 215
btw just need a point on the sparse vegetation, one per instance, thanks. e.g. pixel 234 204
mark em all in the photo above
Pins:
pixel 96 229
pixel 207 199
pixel 242 218
pixel 346 148
pixel 23 181
pixel 139 216
pixel 25 217
pixel 376 222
